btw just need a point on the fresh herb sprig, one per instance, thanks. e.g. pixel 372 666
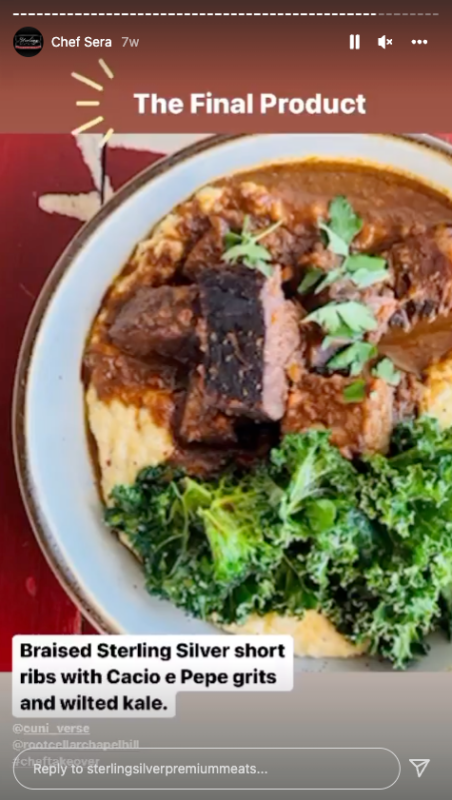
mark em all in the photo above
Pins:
pixel 386 370
pixel 362 269
pixel 355 392
pixel 343 320
pixel 348 322
pixel 353 358
pixel 244 247
pixel 310 279
pixel 343 225
pixel 365 270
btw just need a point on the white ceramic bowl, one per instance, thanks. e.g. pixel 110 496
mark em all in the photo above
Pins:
pixel 52 457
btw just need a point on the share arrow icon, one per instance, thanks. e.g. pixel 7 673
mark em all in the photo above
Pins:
pixel 420 764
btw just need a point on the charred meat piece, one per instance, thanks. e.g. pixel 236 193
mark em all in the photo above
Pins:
pixel 202 423
pixel 362 427
pixel 234 338
pixel 158 320
pixel 201 461
pixel 422 269
pixel 255 442
pixel 288 247
pixel 208 249
pixel 112 372
pixel 251 332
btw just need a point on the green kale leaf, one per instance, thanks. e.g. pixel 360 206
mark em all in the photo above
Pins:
pixel 367 544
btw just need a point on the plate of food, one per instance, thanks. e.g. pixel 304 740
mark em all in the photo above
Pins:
pixel 233 405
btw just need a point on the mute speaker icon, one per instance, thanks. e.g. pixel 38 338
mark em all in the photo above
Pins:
pixel 383 41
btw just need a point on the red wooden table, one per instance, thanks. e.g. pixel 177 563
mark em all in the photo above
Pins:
pixel 36 173
pixel 49 185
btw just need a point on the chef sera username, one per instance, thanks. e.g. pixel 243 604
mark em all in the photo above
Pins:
pixel 144 650
pixel 88 41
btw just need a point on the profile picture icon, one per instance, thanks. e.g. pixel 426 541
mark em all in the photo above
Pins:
pixel 28 42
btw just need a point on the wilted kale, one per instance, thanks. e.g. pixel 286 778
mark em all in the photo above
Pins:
pixel 199 541
pixel 306 466
pixel 368 544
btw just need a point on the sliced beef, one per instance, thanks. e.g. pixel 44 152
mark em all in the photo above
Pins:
pixel 251 331
pixel 158 320
pixel 362 427
pixel 282 349
pixel 422 269
pixel 202 423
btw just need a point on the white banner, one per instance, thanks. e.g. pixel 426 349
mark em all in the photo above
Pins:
pixel 140 676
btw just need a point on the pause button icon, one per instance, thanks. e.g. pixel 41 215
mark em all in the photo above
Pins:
pixel 354 42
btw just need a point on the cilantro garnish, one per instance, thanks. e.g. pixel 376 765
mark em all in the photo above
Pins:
pixel 310 279
pixel 335 243
pixel 353 357
pixel 345 320
pixel 245 247
pixel 386 370
pixel 348 322
pixel 355 392
pixel 344 223
pixel 331 277
pixel 363 270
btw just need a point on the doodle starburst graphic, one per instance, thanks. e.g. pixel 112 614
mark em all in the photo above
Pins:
pixel 92 123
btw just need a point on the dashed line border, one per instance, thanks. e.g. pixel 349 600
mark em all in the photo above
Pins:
pixel 220 14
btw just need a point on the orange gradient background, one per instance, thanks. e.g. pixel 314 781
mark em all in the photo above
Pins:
pixel 407 86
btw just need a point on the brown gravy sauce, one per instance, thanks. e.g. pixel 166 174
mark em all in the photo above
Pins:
pixel 376 194
pixel 389 203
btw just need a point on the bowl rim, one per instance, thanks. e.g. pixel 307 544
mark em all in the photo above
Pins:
pixel 55 559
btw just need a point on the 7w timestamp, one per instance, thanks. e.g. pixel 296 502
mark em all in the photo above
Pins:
pixel 126 40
